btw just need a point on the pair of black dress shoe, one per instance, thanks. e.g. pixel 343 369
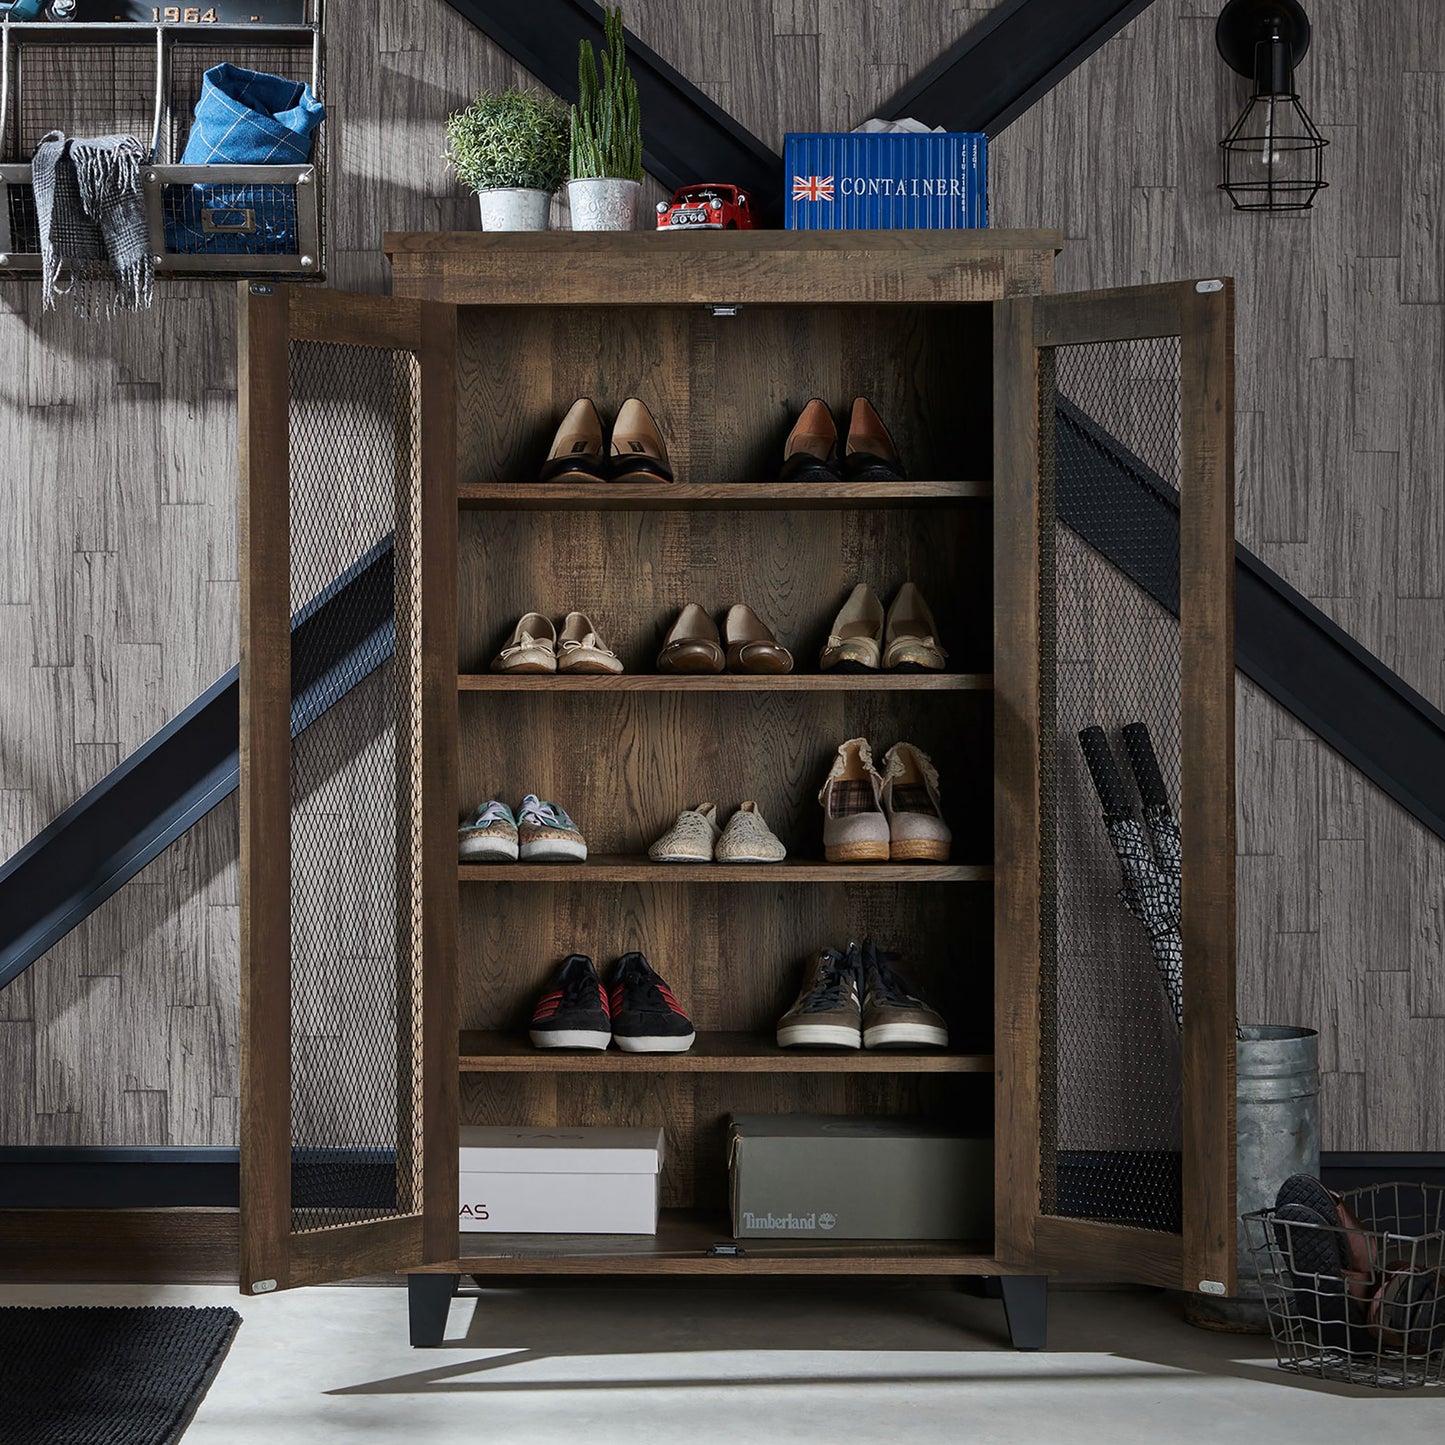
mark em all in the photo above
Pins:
pixel 811 451
pixel 579 453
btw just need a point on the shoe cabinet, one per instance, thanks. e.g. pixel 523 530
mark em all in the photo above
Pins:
pixel 392 531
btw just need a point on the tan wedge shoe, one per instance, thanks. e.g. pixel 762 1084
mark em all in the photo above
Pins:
pixel 916 830
pixel 855 829
pixel 855 641
pixel 910 635
pixel 692 644
pixel 577 451
pixel 751 646
pixel 638 452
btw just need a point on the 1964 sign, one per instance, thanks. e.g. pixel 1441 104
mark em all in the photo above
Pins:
pixel 223 12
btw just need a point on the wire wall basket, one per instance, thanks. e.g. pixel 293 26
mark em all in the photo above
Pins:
pixel 1361 1305
pixel 143 80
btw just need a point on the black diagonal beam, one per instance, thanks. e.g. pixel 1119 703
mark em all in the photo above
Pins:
pixel 1282 641
pixel 1006 62
pixel 685 136
pixel 175 778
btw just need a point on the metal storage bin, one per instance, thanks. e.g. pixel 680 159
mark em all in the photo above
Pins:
pixel 1385 1327
pixel 144 79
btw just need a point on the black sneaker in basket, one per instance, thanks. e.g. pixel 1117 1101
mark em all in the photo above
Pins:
pixel 572 1012
pixel 646 1018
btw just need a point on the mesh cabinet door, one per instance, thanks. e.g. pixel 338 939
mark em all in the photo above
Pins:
pixel 348 742
pixel 1114 810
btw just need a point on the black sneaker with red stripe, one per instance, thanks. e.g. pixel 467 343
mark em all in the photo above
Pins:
pixel 646 1018
pixel 572 1012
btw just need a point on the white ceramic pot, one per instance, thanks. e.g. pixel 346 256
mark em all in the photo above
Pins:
pixel 514 210
pixel 604 204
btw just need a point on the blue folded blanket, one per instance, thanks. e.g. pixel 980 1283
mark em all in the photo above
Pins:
pixel 244 117
pixel 248 118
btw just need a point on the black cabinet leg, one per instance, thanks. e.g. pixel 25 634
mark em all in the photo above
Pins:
pixel 428 1297
pixel 1026 1309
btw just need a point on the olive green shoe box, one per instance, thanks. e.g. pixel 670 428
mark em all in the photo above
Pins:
pixel 817 1176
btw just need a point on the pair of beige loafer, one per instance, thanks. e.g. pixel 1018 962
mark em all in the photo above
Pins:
pixel 864 639
pixel 696 837
pixel 877 817
pixel 693 644
pixel 535 646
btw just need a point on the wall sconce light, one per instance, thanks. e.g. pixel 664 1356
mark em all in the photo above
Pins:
pixel 1273 156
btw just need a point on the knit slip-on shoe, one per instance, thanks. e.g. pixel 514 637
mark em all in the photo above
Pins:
pixel 855 640
pixel 855 829
pixel 572 1011
pixel 1358 1242
pixel 646 1017
pixel 828 1012
pixel 910 635
pixel 1319 1292
pixel 489 835
pixel 748 839
pixel 916 830
pixel 547 835
pixel 691 839
pixel 581 650
pixel 532 647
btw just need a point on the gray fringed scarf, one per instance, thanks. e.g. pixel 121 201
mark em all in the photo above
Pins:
pixel 92 221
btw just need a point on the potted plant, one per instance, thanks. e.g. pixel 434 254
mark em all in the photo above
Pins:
pixel 510 147
pixel 606 137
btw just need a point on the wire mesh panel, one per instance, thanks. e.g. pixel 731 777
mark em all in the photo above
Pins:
pixel 84 90
pixel 355 808
pixel 1111 985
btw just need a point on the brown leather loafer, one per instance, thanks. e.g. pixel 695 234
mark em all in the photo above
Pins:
pixel 751 647
pixel 869 454
pixel 811 452
pixel 692 644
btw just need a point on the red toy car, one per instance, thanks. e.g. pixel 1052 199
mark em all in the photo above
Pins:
pixel 706 208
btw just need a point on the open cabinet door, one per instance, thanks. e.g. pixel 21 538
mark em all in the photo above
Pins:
pixel 1114 588
pixel 347 520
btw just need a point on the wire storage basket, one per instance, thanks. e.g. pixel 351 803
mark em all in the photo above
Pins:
pixel 1361 1301
pixel 143 80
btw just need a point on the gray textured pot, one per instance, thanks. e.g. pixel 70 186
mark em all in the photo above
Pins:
pixel 508 209
pixel 604 204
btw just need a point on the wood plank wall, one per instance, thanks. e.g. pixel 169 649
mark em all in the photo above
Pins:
pixel 117 545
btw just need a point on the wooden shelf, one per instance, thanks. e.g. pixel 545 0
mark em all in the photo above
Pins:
pixel 631 868
pixel 682 496
pixel 680 1247
pixel 490 1052
pixel 729 682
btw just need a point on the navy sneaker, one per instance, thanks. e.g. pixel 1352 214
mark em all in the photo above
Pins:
pixel 646 1018
pixel 572 1012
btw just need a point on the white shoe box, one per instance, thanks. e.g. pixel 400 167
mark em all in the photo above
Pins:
pixel 560 1181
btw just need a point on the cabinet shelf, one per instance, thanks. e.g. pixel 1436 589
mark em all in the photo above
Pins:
pixel 683 496
pixel 680 1247
pixel 492 1052
pixel 638 868
pixel 729 682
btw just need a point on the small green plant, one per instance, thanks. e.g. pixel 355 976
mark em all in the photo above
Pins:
pixel 510 138
pixel 606 128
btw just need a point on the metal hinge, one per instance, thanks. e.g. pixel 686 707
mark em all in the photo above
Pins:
pixel 1210 1286
pixel 1205 287
pixel 727 308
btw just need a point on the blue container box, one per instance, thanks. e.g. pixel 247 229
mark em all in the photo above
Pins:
pixel 890 182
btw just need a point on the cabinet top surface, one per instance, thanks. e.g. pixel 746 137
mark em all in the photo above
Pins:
pixel 655 268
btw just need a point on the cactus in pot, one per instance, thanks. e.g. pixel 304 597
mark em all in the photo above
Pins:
pixel 606 136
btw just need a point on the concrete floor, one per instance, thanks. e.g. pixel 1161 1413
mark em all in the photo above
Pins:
pixel 538 1365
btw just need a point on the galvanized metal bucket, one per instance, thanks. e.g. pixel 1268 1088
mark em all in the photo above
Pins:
pixel 1277 1130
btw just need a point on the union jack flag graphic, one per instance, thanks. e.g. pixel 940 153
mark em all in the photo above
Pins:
pixel 812 188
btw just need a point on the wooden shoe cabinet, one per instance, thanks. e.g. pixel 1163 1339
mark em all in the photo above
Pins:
pixel 392 532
